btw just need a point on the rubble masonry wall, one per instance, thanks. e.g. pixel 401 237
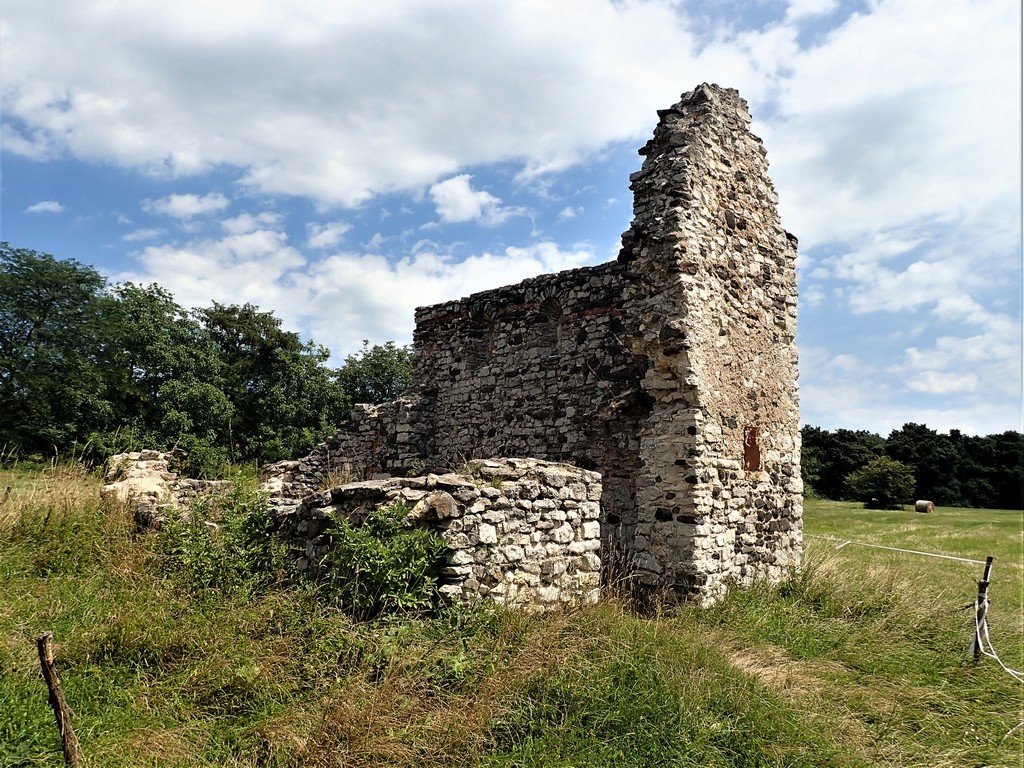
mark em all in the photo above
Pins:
pixel 516 531
pixel 671 371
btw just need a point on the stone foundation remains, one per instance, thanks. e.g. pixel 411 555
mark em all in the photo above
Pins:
pixel 144 481
pixel 520 532
pixel 516 531
pixel 672 371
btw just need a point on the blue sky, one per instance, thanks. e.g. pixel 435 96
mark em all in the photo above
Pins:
pixel 341 163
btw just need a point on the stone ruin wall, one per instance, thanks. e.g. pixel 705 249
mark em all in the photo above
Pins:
pixel 706 232
pixel 147 482
pixel 537 369
pixel 672 371
pixel 520 532
pixel 516 531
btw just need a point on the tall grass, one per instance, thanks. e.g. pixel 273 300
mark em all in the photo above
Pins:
pixel 842 666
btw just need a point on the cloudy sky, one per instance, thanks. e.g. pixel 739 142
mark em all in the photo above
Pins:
pixel 342 162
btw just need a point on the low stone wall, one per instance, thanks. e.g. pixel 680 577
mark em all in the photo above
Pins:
pixel 145 482
pixel 355 453
pixel 516 531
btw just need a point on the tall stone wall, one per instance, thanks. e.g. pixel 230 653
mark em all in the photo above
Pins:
pixel 721 449
pixel 671 371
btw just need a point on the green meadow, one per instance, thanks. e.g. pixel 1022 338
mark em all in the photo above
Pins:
pixel 972 534
pixel 859 660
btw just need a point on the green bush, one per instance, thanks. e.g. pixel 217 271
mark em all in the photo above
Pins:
pixel 381 566
pixel 227 544
pixel 224 543
pixel 883 484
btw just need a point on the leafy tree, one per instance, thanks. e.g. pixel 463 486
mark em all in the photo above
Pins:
pixel 98 368
pixel 828 457
pixel 934 459
pixel 882 484
pixel 283 398
pixel 163 374
pixel 376 374
pixel 51 386
pixel 1005 471
pixel 952 469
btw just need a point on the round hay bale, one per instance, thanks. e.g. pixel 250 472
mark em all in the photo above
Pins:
pixel 924 506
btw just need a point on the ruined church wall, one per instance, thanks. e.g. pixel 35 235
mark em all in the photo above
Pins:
pixel 665 371
pixel 540 369
pixel 706 211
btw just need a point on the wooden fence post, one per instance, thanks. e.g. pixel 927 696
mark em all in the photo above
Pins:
pixel 61 711
pixel 981 609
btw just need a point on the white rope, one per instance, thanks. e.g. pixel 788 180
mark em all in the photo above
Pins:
pixel 980 626
pixel 982 637
pixel 895 549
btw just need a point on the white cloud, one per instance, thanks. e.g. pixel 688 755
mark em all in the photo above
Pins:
pixel 931 135
pixel 246 222
pixel 801 9
pixel 813 295
pixel 420 92
pixel 338 102
pixel 569 212
pixel 187 206
pixel 940 383
pixel 139 235
pixel 326 235
pixel 456 201
pixel 355 296
pixel 251 267
pixel 836 396
pixel 847 362
pixel 45 206
pixel 848 408
pixel 961 363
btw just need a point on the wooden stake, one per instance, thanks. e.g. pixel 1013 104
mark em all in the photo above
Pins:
pixel 981 609
pixel 61 711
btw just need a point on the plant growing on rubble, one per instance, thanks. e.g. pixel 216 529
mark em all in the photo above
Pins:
pixel 224 543
pixel 380 565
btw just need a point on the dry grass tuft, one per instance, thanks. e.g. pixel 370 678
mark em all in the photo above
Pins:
pixel 772 666
pixel 405 719
pixel 58 491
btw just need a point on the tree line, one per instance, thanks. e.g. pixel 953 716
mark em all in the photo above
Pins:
pixel 915 462
pixel 90 368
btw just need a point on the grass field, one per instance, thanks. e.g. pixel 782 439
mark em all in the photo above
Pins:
pixel 969 533
pixel 861 660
